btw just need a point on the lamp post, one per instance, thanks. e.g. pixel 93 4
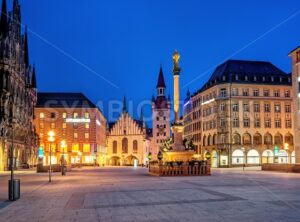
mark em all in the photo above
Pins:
pixel 63 145
pixel 286 148
pixel 51 139
pixel 80 155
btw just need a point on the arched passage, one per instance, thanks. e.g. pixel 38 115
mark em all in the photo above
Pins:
pixel 238 157
pixel 253 157
pixel 267 156
pixel 129 161
pixel 115 161
pixel 283 156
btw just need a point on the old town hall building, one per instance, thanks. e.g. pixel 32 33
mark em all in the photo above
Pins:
pixel 18 92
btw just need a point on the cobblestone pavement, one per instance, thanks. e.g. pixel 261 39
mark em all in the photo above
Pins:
pixel 128 194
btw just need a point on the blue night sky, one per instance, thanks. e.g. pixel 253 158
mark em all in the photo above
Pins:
pixel 126 41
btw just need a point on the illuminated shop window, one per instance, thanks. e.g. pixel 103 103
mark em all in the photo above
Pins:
pixel 42 115
pixel 86 148
pixel 75 147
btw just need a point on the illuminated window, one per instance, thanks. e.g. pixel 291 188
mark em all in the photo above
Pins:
pixel 86 115
pixel 41 135
pixel 75 147
pixel 64 115
pixel 277 107
pixel 41 125
pixel 42 115
pixel 86 135
pixel 75 115
pixel 86 148
pixel 75 135
pixel 52 125
pixel 64 149
pixel 87 125
pixel 64 125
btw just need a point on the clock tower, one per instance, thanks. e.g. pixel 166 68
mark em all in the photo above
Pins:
pixel 161 107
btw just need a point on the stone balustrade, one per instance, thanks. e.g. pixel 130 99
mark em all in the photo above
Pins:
pixel 185 169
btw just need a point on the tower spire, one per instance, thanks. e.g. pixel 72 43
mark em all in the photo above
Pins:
pixel 26 53
pixel 3 20
pixel 124 105
pixel 33 79
pixel 161 80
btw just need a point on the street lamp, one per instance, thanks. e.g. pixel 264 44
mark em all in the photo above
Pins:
pixel 51 139
pixel 286 147
pixel 63 145
pixel 80 155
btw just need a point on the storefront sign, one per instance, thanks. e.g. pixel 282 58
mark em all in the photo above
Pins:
pixel 70 120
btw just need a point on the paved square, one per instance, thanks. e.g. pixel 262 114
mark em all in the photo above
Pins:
pixel 129 194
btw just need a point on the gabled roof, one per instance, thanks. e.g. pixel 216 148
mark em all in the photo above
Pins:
pixel 161 80
pixel 63 100
pixel 247 72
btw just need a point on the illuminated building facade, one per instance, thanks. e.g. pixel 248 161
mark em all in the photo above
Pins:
pixel 242 115
pixel 127 140
pixel 161 107
pixel 77 121
pixel 295 57
pixel 17 92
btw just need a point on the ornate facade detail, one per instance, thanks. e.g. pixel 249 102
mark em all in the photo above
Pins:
pixel 18 91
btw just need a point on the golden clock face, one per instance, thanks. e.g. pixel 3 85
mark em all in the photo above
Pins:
pixel 161 113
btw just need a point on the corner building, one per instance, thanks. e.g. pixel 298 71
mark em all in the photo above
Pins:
pixel 75 120
pixel 242 115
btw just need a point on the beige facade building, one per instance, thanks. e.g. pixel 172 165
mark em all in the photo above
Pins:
pixel 243 115
pixel 295 57
pixel 127 142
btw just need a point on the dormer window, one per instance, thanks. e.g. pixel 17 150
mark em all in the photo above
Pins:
pixel 254 78
pixel 272 78
pixel 236 77
pixel 263 79
pixel 280 79
pixel 224 78
pixel 246 78
pixel 289 79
